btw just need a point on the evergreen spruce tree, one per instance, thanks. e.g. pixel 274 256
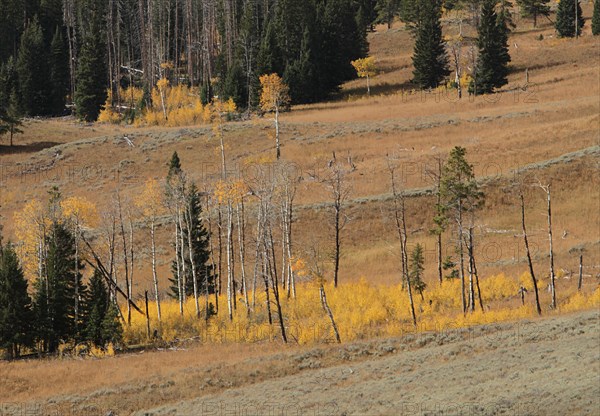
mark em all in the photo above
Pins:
pixel 10 118
pixel 416 269
pixel 100 324
pixel 59 73
pixel 200 248
pixel 301 75
pixel 112 330
pixel 174 167
pixel 15 304
pixel 8 82
pixel 534 9
pixel 429 58
pixel 491 69
pixel 596 18
pixel 32 71
pixel 387 10
pixel 54 302
pixel 90 91
pixel 565 18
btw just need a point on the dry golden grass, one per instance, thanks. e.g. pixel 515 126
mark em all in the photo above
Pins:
pixel 556 116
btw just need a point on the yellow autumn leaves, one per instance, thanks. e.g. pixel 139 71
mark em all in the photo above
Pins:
pixel 172 106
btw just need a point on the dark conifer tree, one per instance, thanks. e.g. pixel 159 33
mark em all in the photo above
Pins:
pixel 200 249
pixel 59 72
pixel 491 68
pixel 387 10
pixel 565 18
pixel 416 269
pixel 430 59
pixel 596 18
pixel 100 324
pixel 90 92
pixel 54 302
pixel 534 9
pixel 34 88
pixel 15 304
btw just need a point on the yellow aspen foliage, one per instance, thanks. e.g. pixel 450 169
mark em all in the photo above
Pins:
pixel 362 310
pixel 275 93
pixel 150 201
pixel 31 225
pixel 230 191
pixel 80 210
pixel 365 67
pixel 129 102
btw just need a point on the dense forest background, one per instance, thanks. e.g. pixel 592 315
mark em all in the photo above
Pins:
pixel 220 46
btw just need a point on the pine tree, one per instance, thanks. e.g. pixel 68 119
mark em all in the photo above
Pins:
pixel 32 71
pixel 534 9
pixel 387 10
pixel 10 118
pixel 301 74
pixel 90 92
pixel 15 304
pixel 491 69
pixel 59 73
pixel 565 18
pixel 112 330
pixel 97 309
pixel 416 269
pixel 54 302
pixel 596 18
pixel 461 197
pixel 200 249
pixel 429 58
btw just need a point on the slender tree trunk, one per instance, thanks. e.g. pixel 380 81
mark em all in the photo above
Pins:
pixel 154 275
pixel 230 288
pixel 242 250
pixel 336 270
pixel 400 220
pixel 580 281
pixel 529 261
pixel 329 313
pixel 147 315
pixel 471 272
pixel 192 262
pixel 462 258
pixel 552 274
pixel 178 264
pixel 277 131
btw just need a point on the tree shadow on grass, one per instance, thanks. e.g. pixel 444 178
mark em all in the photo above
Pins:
pixel 25 148
pixel 377 89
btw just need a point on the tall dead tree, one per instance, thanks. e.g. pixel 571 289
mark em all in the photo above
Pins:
pixel 528 251
pixel 400 222
pixel 337 182
pixel 440 220
pixel 546 189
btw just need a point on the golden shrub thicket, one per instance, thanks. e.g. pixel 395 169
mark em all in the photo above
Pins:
pixel 361 310
pixel 172 106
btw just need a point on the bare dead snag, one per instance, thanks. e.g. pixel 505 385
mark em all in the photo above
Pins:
pixel 529 261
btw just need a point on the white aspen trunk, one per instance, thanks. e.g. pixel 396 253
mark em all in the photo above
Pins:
pixel 552 274
pixel 329 314
pixel 177 261
pixel 193 264
pixel 242 251
pixel 154 275
pixel 277 131
pixel 229 261
pixel 462 257
pixel 182 261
